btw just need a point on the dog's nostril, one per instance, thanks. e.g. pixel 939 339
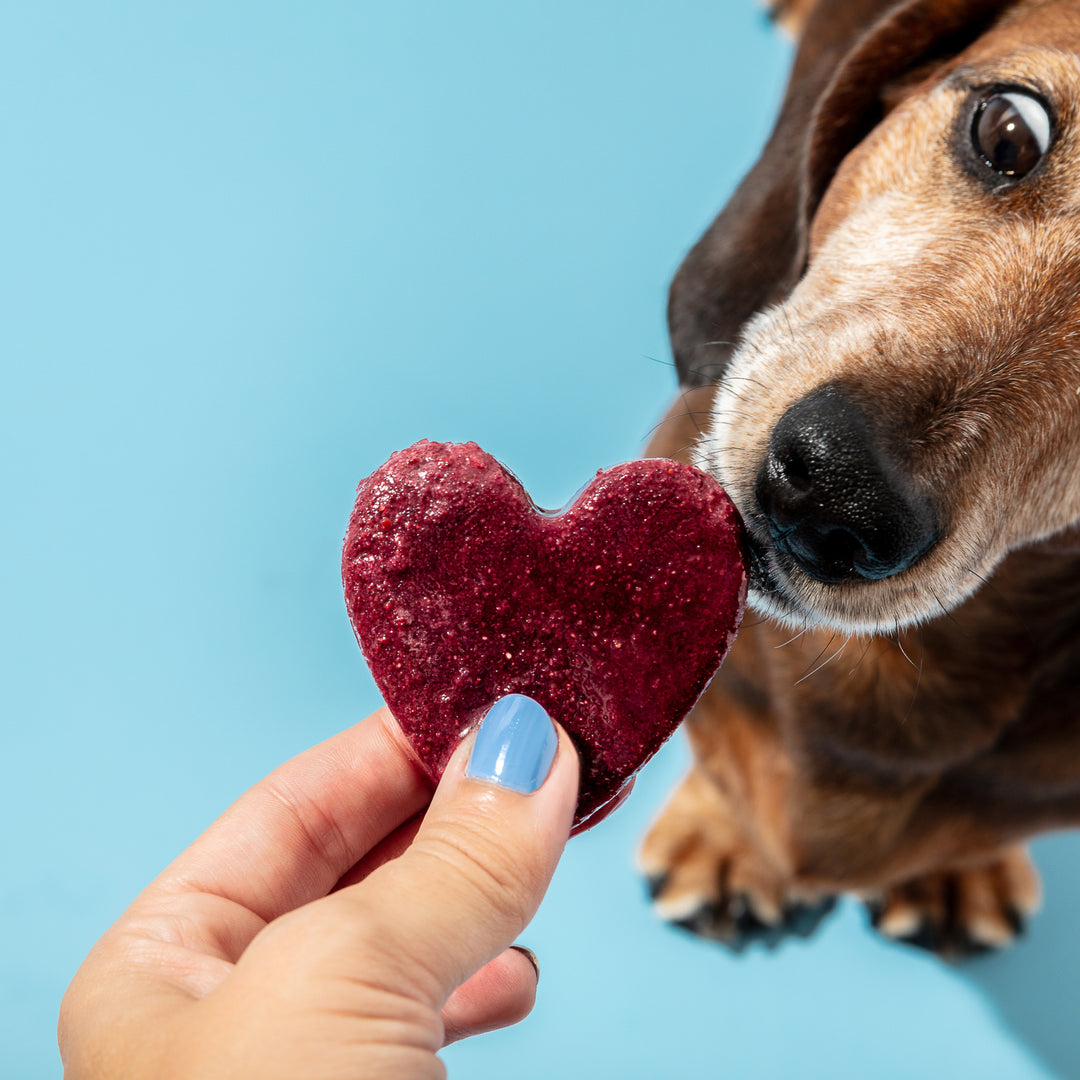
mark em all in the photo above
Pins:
pixel 832 498
pixel 795 469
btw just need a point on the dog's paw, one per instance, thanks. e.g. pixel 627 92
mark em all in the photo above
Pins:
pixel 964 911
pixel 703 878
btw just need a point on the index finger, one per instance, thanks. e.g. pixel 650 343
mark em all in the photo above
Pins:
pixel 292 836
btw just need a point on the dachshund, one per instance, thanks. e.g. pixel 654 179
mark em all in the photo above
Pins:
pixel 878 347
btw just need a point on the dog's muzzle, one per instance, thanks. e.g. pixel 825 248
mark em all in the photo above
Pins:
pixel 834 499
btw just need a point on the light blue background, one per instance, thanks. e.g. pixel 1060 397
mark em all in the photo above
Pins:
pixel 247 250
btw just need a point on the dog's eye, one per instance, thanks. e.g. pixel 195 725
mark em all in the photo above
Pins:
pixel 1011 133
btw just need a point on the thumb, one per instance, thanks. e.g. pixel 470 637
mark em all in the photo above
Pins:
pixel 479 866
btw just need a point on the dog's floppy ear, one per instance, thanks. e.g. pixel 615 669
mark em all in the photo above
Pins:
pixel 752 255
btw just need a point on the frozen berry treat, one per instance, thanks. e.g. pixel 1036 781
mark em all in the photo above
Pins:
pixel 613 613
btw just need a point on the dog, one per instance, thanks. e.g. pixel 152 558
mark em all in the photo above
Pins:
pixel 878 346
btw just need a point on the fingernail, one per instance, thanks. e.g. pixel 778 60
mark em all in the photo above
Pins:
pixel 531 957
pixel 515 745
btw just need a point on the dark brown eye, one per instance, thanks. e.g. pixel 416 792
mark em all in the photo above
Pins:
pixel 1011 133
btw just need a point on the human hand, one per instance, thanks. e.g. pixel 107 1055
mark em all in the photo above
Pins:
pixel 319 928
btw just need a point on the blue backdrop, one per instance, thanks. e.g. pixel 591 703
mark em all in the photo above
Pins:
pixel 248 249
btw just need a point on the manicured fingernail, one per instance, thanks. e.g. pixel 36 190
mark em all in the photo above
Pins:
pixel 531 957
pixel 515 745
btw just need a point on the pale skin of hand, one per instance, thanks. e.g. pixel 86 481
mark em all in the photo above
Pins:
pixel 319 929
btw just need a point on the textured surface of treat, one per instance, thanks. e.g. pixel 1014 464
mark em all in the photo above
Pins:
pixel 613 613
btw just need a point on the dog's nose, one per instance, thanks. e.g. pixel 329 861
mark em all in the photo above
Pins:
pixel 835 500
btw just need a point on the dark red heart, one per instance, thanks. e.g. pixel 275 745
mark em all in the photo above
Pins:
pixel 613 614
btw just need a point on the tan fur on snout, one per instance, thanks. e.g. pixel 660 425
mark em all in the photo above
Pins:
pixel 899 738
pixel 950 311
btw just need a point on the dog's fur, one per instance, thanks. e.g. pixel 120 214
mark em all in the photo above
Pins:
pixel 897 738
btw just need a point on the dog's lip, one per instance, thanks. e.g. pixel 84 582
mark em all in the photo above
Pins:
pixel 766 584
pixel 759 571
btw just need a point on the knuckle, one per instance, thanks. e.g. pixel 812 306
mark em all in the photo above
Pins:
pixel 316 825
pixel 498 873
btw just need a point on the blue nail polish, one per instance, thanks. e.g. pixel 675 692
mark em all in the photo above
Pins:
pixel 514 746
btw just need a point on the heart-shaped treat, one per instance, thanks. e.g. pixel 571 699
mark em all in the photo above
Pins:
pixel 612 614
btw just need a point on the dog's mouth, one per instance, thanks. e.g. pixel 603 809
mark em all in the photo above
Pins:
pixel 781 589
pixel 774 579
pixel 762 579
pixel 767 590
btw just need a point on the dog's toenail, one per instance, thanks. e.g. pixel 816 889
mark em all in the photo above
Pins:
pixel 654 884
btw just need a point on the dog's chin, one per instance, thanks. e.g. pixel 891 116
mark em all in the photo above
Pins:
pixel 783 593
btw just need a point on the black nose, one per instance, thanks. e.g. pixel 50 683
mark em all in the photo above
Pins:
pixel 834 499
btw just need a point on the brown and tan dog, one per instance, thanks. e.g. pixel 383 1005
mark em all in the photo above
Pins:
pixel 879 346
